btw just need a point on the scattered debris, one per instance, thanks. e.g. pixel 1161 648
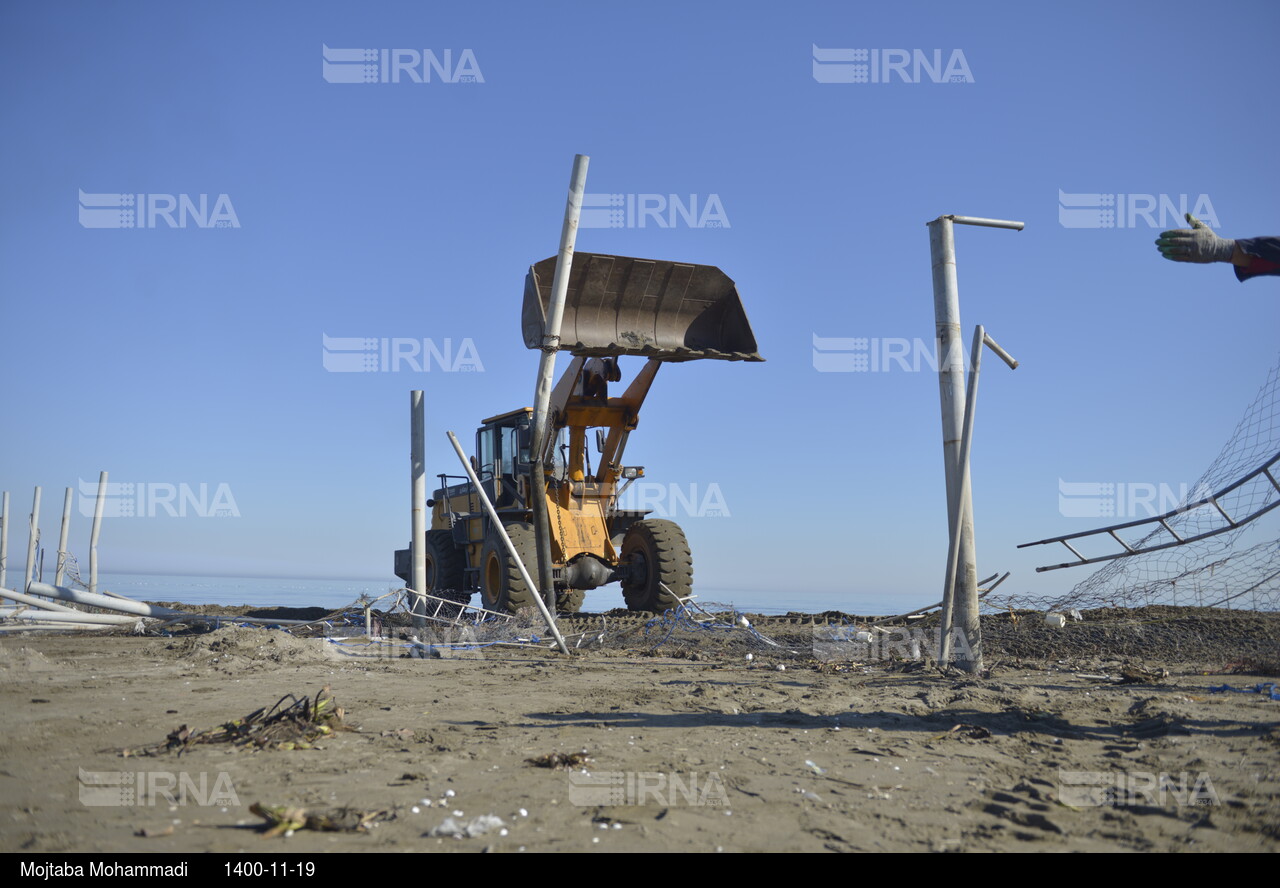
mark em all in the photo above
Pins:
pixel 145 833
pixel 297 725
pixel 562 761
pixel 973 732
pixel 1142 675
pixel 477 826
pixel 1267 690
pixel 287 819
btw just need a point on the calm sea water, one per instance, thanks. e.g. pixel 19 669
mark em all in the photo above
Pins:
pixel 281 592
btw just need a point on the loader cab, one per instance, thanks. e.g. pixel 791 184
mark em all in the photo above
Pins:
pixel 502 455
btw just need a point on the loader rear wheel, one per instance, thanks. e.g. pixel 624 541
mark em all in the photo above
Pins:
pixel 658 555
pixel 444 563
pixel 444 578
pixel 502 588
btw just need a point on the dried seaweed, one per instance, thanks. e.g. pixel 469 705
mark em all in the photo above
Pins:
pixel 292 723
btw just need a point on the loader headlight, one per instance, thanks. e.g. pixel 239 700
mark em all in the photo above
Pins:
pixel 632 472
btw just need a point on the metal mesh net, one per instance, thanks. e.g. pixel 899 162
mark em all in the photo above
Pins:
pixel 1237 568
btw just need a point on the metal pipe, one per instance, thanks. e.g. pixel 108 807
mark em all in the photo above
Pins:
pixel 418 515
pixel 140 609
pixel 43 616
pixel 62 540
pixel 1000 353
pixel 953 551
pixel 506 541
pixel 92 599
pixel 32 539
pixel 986 223
pixel 4 537
pixel 946 307
pixel 93 534
pixel 35 602
pixel 546 370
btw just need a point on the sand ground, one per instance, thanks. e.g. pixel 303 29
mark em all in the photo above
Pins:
pixel 713 754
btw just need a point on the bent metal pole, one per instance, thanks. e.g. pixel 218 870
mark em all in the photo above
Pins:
pixel 546 370
pixel 951 384
pixel 506 541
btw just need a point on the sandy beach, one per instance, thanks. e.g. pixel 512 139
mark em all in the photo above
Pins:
pixel 668 747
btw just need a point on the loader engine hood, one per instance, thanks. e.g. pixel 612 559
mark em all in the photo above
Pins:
pixel 619 305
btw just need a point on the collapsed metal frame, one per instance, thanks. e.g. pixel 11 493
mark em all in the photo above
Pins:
pixel 1163 522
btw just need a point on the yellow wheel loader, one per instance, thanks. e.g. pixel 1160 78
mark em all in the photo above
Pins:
pixel 666 312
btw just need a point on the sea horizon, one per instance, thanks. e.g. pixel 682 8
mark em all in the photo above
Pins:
pixel 336 592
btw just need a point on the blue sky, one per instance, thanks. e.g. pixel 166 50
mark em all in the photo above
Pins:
pixel 190 355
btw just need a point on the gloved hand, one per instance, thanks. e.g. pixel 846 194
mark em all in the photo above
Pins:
pixel 1195 244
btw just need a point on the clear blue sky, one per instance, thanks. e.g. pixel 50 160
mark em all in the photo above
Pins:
pixel 193 355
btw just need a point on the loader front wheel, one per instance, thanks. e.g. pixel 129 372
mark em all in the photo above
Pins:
pixel 502 588
pixel 658 555
pixel 569 601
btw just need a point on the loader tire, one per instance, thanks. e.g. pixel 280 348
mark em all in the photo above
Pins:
pixel 502 588
pixel 659 556
pixel 569 601
pixel 444 563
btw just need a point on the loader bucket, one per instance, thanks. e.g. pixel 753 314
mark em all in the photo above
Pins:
pixel 617 305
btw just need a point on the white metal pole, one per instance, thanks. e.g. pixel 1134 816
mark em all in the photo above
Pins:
pixel 33 539
pixel 506 541
pixel 22 598
pixel 92 599
pixel 44 616
pixel 93 533
pixel 4 537
pixel 418 518
pixel 946 307
pixel 546 370
pixel 62 541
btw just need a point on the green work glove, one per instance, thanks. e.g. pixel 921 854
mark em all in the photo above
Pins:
pixel 1195 244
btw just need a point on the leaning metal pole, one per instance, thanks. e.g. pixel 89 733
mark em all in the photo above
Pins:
pixel 4 537
pixel 546 370
pixel 63 555
pixel 506 542
pixel 418 506
pixel 33 540
pixel 93 532
pixel 951 382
